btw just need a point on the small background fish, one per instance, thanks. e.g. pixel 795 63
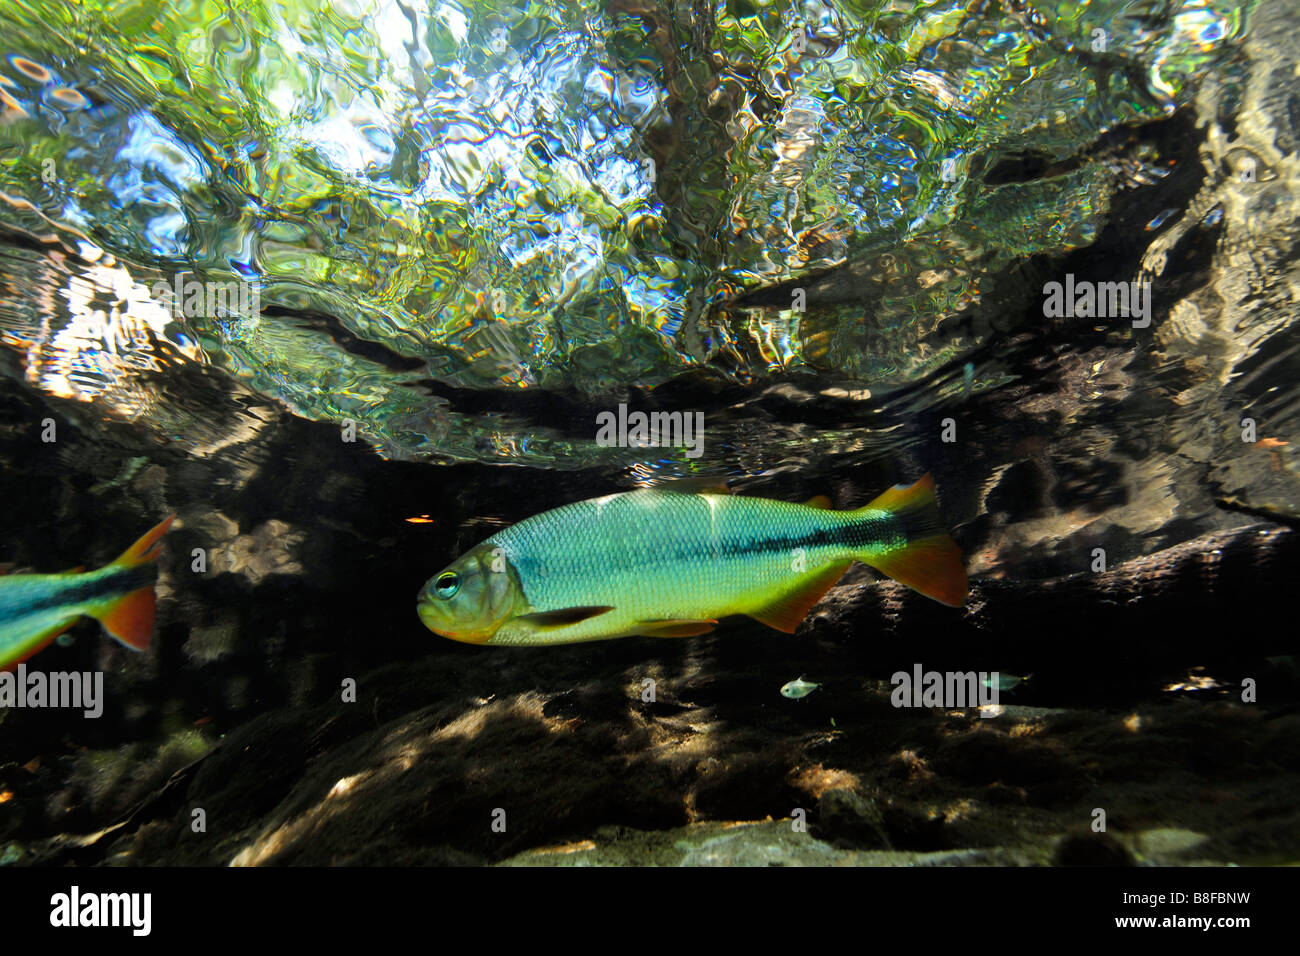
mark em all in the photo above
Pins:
pixel 798 688
pixel 36 608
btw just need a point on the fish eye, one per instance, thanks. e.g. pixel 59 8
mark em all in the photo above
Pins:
pixel 447 584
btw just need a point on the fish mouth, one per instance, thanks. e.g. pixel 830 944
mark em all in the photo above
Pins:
pixel 434 621
pixel 429 617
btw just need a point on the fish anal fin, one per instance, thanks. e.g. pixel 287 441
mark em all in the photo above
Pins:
pixel 130 617
pixel 674 628
pixel 38 643
pixel 563 617
pixel 789 610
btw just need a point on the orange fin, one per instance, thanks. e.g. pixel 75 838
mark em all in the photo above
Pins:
pixel 148 547
pixel 130 618
pixel 819 501
pixel 787 611
pixel 931 563
pixel 674 628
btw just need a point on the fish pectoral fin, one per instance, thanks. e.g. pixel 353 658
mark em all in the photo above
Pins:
pixel 673 627
pixel 787 611
pixel 563 617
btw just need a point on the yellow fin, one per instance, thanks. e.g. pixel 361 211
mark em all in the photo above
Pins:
pixel 148 547
pixel 787 611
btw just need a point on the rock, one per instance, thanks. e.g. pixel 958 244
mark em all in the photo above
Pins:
pixel 848 819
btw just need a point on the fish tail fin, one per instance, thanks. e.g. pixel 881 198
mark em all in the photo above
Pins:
pixel 930 562
pixel 147 548
pixel 129 617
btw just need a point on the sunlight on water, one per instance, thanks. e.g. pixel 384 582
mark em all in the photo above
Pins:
pixel 497 196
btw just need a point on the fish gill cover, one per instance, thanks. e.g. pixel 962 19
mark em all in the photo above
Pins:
pixel 417 205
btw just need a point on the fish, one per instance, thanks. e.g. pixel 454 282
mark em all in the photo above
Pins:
pixel 36 608
pixel 1005 682
pixel 663 562
pixel 798 688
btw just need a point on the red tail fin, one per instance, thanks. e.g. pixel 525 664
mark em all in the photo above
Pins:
pixel 931 561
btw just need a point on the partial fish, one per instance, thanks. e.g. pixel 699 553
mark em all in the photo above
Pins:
pixel 37 608
pixel 664 563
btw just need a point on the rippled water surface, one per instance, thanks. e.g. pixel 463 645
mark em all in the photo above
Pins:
pixel 470 228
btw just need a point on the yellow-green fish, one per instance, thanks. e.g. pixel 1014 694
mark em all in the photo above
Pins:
pixel 665 563
pixel 37 608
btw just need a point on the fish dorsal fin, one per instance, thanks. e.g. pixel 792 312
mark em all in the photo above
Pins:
pixel 787 611
pixel 674 628
pixel 900 497
pixel 819 501
pixel 693 485
pixel 563 617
